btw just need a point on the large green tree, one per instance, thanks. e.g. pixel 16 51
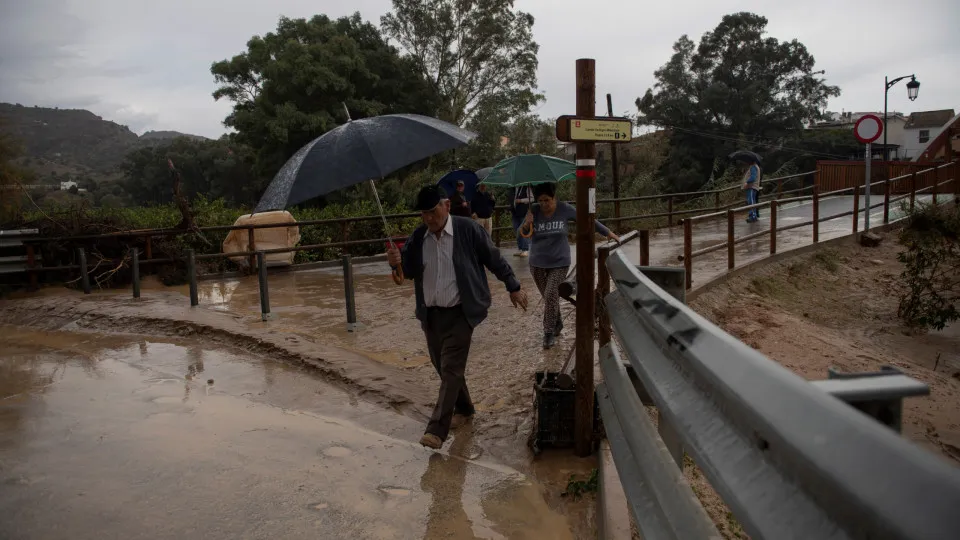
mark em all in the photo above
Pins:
pixel 736 88
pixel 290 85
pixel 475 54
pixel 216 169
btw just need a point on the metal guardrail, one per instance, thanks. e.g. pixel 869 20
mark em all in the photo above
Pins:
pixel 790 458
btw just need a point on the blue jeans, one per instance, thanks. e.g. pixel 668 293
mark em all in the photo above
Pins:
pixel 753 198
pixel 523 244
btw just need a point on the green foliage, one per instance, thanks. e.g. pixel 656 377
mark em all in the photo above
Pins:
pixel 577 488
pixel 10 176
pixel 932 267
pixel 736 89
pixel 475 54
pixel 290 86
pixel 366 229
pixel 215 169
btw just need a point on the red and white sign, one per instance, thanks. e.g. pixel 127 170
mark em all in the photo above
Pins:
pixel 868 128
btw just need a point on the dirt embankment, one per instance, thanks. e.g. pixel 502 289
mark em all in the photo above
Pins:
pixel 838 308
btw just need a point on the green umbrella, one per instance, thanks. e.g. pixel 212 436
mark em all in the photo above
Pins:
pixel 528 170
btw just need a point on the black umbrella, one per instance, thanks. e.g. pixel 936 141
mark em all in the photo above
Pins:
pixel 357 151
pixel 746 155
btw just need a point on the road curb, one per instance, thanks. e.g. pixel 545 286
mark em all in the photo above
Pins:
pixel 693 293
pixel 613 513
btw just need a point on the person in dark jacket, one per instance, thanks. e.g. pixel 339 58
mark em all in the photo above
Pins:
pixel 459 205
pixel 483 205
pixel 445 257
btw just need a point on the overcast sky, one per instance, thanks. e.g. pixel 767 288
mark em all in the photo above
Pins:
pixel 146 64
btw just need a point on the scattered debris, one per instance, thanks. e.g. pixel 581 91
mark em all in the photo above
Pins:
pixel 869 239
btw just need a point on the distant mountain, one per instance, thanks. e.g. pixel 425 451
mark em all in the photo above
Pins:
pixel 167 135
pixel 74 142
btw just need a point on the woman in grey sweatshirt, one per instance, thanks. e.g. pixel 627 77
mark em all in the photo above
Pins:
pixel 550 253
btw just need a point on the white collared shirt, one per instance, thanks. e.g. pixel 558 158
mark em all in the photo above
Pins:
pixel 439 277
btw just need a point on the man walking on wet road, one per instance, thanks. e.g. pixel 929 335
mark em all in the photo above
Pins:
pixel 446 257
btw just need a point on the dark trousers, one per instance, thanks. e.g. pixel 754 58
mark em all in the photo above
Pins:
pixel 753 198
pixel 448 340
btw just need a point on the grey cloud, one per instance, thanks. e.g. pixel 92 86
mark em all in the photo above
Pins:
pixel 146 64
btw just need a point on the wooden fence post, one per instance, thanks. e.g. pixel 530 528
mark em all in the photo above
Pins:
pixel 816 212
pixel 773 226
pixel 886 202
pixel 148 252
pixel 252 248
pixel 936 182
pixel 730 245
pixel 688 251
pixel 913 189
pixel 645 248
pixel 670 212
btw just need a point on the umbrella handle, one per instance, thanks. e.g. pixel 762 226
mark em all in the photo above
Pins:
pixel 520 230
pixel 397 275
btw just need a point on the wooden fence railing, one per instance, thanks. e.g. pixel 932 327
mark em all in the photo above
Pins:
pixel 943 179
pixel 678 205
pixel 834 175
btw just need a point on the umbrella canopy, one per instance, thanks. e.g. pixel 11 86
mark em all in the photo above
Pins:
pixel 469 178
pixel 528 170
pixel 359 150
pixel 746 155
pixel 484 172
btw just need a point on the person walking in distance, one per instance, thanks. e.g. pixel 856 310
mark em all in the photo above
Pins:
pixel 550 253
pixel 751 185
pixel 445 257
pixel 483 205
pixel 520 200
pixel 459 206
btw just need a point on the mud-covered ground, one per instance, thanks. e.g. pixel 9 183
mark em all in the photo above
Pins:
pixel 838 308
pixel 385 364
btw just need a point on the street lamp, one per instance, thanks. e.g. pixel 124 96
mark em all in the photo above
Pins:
pixel 913 88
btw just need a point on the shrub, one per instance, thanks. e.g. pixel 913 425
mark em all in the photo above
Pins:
pixel 932 267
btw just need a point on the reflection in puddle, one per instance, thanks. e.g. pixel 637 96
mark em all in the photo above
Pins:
pixel 110 450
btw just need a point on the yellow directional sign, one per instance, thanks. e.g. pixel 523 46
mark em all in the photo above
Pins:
pixel 612 130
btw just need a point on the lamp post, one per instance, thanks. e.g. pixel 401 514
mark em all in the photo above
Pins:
pixel 913 88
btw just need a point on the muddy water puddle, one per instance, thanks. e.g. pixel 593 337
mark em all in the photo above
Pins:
pixel 110 436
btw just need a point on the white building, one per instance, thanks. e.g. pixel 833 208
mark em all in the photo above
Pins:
pixel 65 186
pixel 921 128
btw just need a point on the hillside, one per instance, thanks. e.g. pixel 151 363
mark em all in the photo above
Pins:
pixel 161 136
pixel 73 143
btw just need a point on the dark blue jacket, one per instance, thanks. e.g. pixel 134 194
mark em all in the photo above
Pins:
pixel 483 204
pixel 472 251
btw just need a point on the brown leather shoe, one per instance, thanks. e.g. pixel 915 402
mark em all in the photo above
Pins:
pixel 459 420
pixel 431 441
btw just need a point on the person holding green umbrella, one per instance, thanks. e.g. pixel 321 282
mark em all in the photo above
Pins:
pixel 546 226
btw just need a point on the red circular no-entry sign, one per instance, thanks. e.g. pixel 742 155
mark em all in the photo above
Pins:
pixel 868 128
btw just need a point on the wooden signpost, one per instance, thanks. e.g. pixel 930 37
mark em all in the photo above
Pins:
pixel 586 129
